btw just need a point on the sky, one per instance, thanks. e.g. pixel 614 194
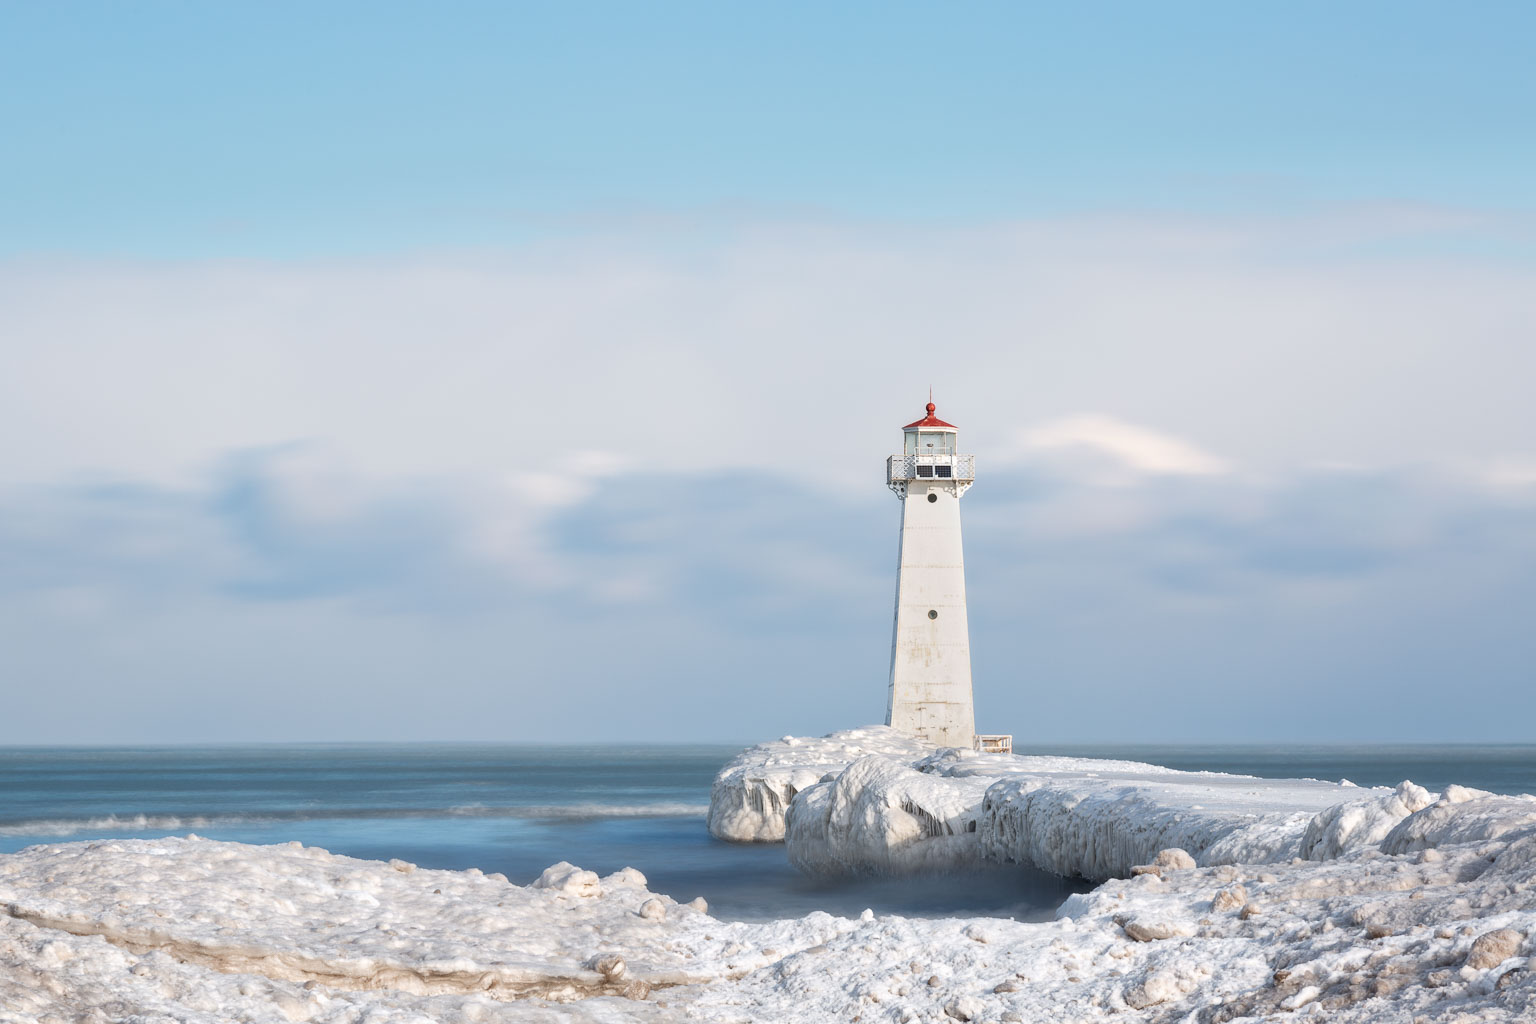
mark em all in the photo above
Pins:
pixel 505 372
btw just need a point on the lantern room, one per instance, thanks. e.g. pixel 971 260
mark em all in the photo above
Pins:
pixel 930 435
pixel 929 454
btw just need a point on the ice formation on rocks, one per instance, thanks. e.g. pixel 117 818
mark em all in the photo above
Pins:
pixel 567 877
pixel 1360 822
pixel 1461 815
pixel 887 809
pixel 878 814
pixel 752 793
pixel 203 933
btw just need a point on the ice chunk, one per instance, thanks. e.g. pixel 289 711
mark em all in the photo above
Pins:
pixel 567 877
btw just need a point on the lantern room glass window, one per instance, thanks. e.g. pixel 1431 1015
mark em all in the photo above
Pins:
pixel 930 442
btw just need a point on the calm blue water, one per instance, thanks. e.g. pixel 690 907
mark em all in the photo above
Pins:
pixel 518 809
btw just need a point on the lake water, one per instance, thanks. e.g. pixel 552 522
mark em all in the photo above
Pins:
pixel 518 809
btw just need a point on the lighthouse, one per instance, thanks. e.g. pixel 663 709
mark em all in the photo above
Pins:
pixel 930 691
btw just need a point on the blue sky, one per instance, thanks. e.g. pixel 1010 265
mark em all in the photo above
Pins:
pixel 512 372
pixel 290 129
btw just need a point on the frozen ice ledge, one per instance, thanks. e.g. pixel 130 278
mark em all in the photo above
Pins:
pixel 872 800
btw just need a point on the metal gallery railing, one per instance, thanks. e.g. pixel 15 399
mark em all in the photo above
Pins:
pixel 930 467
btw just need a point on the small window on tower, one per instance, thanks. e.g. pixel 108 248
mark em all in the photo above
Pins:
pixel 933 613
pixel 933 497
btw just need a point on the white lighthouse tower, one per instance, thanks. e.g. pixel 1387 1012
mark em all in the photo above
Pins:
pixel 930 694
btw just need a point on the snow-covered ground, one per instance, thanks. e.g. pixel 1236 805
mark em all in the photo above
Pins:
pixel 1434 923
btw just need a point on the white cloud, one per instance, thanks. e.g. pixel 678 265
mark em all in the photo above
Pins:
pixel 507 457
pixel 1289 342
pixel 1511 474
pixel 1138 448
pixel 637 603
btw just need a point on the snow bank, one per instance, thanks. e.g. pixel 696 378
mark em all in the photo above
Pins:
pixel 202 932
pixel 751 795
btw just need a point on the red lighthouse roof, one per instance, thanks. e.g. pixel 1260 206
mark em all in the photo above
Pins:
pixel 930 421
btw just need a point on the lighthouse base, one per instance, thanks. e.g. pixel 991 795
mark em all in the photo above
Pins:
pixel 936 723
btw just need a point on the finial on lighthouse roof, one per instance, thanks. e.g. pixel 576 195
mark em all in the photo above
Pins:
pixel 930 420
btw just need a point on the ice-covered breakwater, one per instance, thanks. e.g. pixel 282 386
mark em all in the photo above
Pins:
pixel 752 793
pixel 871 800
pixel 1435 923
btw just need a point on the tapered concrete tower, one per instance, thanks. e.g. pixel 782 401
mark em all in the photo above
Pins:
pixel 930 695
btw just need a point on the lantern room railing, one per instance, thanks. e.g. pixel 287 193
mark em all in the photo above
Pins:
pixel 930 467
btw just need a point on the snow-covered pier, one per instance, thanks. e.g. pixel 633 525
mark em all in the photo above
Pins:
pixel 872 800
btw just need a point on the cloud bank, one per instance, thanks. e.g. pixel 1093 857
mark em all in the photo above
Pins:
pixel 1236 481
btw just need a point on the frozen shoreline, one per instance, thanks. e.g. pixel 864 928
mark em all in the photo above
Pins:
pixel 1392 906
pixel 200 931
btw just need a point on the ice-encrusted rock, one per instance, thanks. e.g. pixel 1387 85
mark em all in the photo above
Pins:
pixel 1461 815
pixel 567 877
pixel 878 815
pixel 751 795
pixel 965 1008
pixel 1231 897
pixel 1173 859
pixel 630 877
pixel 609 965
pixel 1154 929
pixel 1361 822
pixel 1492 948
pixel 1160 986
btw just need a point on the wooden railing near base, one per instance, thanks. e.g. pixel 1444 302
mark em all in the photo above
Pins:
pixel 1000 744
